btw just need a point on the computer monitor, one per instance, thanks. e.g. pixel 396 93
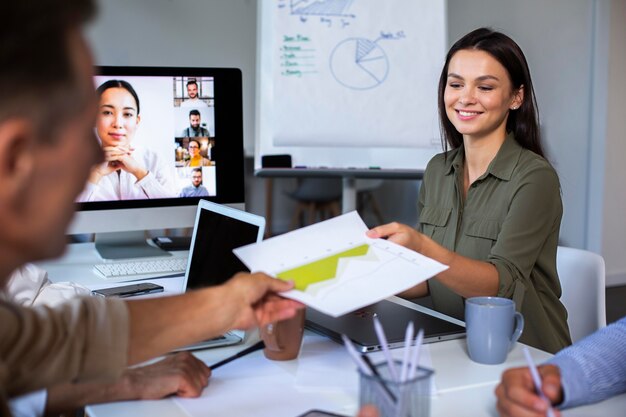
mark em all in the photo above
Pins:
pixel 170 136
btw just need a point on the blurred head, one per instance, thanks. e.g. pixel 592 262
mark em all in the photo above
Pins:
pixel 485 83
pixel 47 109
pixel 194 148
pixel 194 119
pixel 192 89
pixel 118 113
pixel 196 177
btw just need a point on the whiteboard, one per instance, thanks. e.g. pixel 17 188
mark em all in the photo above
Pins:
pixel 350 83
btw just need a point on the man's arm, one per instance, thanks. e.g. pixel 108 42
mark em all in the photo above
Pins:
pixel 89 339
pixel 180 374
pixel 246 300
pixel 594 368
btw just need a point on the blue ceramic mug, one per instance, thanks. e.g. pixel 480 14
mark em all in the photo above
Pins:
pixel 492 326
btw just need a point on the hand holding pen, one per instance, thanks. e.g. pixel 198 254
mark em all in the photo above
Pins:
pixel 517 394
pixel 537 381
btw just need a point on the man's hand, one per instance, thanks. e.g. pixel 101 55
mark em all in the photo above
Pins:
pixel 516 392
pixel 252 300
pixel 180 374
pixel 368 411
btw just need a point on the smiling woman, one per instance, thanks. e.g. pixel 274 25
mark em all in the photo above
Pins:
pixel 128 172
pixel 490 208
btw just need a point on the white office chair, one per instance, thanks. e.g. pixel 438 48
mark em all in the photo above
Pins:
pixel 583 282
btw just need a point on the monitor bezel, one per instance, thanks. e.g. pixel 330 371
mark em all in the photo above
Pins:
pixel 228 95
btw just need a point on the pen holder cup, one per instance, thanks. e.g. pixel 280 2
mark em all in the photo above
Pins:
pixel 397 399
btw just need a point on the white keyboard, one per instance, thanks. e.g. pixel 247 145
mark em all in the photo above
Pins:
pixel 135 270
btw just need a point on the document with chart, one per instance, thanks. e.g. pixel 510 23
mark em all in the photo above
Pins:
pixel 336 267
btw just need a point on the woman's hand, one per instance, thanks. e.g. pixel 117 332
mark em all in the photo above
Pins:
pixel 120 157
pixel 107 167
pixel 100 171
pixel 399 233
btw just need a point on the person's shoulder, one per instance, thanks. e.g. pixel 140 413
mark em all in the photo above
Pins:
pixel 532 164
pixel 193 103
pixel 441 161
pixel 534 171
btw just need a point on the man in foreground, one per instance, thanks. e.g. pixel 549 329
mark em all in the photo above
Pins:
pixel 47 148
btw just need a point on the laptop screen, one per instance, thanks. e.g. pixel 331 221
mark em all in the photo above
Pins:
pixel 212 259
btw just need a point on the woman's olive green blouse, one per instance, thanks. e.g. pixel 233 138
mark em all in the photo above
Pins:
pixel 511 219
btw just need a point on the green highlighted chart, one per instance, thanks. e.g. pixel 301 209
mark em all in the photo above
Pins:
pixel 336 268
pixel 323 269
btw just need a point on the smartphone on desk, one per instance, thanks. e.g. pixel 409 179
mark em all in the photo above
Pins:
pixel 173 243
pixel 128 290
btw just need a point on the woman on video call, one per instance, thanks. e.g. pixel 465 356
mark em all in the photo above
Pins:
pixel 490 207
pixel 128 172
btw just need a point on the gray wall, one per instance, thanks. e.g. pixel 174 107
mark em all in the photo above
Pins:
pixel 576 53
pixel 614 199
pixel 191 33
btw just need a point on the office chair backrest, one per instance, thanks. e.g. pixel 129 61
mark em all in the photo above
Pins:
pixel 582 278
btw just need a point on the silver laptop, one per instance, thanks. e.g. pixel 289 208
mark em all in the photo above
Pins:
pixel 218 230
pixel 359 325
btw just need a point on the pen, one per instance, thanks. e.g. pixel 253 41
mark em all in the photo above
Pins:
pixel 537 380
pixel 415 354
pixel 366 366
pixel 257 346
pixel 408 338
pixel 382 339
pixel 358 359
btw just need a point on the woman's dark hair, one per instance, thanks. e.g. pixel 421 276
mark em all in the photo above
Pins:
pixel 523 122
pixel 118 84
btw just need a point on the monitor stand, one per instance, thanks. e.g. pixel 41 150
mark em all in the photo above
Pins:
pixel 124 245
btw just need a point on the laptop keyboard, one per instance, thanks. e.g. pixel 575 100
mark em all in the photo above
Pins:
pixel 134 270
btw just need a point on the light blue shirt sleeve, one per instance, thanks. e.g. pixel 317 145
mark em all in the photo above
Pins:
pixel 594 368
pixel 32 404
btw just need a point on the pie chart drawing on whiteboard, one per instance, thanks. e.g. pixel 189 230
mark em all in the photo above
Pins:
pixel 359 64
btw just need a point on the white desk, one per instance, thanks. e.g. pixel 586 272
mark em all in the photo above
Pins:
pixel 249 386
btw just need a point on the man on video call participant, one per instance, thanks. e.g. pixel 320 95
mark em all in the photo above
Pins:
pixel 47 149
pixel 195 130
pixel 193 100
pixel 196 189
